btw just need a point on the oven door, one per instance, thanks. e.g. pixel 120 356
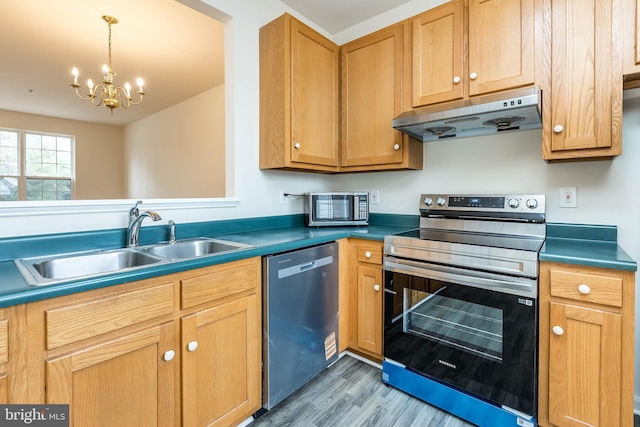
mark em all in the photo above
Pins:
pixel 475 339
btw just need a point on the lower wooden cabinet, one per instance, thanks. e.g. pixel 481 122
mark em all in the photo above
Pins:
pixel 127 381
pixel 221 364
pixel 365 297
pixel 586 346
pixel 183 349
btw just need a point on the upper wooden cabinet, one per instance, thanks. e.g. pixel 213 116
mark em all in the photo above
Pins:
pixel 374 68
pixel 631 54
pixel 298 97
pixel 501 54
pixel 299 102
pixel 583 107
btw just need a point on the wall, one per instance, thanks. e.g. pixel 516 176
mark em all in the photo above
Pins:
pixel 98 151
pixel 178 152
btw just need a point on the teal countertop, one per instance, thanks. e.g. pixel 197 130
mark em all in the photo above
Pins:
pixel 583 244
pixel 267 235
pixel 566 243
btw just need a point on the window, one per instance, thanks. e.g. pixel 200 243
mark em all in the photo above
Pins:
pixel 35 166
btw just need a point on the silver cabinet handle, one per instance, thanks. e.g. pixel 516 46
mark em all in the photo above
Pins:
pixel 296 145
pixel 584 289
pixel 557 330
pixel 192 346
pixel 396 147
pixel 456 79
pixel 473 76
pixel 558 128
pixel 376 287
pixel 367 254
pixel 389 291
pixel 169 355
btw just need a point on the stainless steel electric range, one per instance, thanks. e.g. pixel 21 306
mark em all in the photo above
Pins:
pixel 460 308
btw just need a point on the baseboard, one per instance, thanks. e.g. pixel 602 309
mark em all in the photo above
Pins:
pixel 363 359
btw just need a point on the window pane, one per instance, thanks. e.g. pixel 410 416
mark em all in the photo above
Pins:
pixel 8 188
pixel 34 141
pixel 48 142
pixel 48 189
pixel 52 157
pixel 9 164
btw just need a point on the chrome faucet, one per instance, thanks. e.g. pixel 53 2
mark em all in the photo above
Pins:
pixel 135 220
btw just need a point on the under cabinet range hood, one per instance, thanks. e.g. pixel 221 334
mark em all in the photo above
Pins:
pixel 482 115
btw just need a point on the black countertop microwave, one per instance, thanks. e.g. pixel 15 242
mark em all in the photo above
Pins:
pixel 336 209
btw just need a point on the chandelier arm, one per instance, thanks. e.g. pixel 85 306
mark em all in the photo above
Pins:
pixel 76 87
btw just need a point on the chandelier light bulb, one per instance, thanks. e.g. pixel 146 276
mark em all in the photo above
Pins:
pixel 140 83
pixel 107 93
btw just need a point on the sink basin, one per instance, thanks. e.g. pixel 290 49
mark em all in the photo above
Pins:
pixel 52 269
pixel 192 248
pixel 47 270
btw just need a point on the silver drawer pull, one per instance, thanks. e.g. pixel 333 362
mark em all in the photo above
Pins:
pixel 557 330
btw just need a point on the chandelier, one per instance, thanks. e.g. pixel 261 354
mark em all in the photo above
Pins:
pixel 106 93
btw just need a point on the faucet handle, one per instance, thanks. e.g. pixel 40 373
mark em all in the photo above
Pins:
pixel 134 212
pixel 172 231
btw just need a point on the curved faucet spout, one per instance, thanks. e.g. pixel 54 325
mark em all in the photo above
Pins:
pixel 133 231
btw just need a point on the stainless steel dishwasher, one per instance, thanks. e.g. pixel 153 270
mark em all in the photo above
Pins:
pixel 300 328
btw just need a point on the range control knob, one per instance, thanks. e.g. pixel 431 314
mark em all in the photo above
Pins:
pixel 428 201
pixel 514 203
pixel 441 201
pixel 532 203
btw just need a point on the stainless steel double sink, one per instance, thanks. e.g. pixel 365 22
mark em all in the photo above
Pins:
pixel 47 270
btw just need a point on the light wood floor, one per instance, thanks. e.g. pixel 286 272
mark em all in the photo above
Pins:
pixel 350 393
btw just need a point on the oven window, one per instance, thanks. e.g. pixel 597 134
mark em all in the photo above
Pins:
pixel 462 325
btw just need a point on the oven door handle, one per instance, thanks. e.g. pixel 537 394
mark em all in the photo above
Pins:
pixel 511 285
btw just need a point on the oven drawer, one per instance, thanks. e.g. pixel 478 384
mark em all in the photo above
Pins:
pixel 370 253
pixel 590 287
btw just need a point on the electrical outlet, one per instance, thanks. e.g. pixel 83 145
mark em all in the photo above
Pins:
pixel 375 197
pixel 568 197
pixel 284 200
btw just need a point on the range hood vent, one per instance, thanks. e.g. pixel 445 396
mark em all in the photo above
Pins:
pixel 489 114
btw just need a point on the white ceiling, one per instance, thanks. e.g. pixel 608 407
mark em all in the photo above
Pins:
pixel 177 51
pixel 337 15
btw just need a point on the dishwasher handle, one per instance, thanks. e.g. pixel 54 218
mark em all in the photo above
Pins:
pixel 304 267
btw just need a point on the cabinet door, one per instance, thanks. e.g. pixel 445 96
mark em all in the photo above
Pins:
pixel 372 73
pixel 439 54
pixel 586 80
pixel 370 309
pixel 584 366
pixel 632 40
pixel 314 97
pixel 221 382
pixel 501 45
pixel 123 382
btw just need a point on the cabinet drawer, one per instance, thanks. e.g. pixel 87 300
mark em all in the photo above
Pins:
pixel 599 289
pixel 220 281
pixel 370 252
pixel 72 323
